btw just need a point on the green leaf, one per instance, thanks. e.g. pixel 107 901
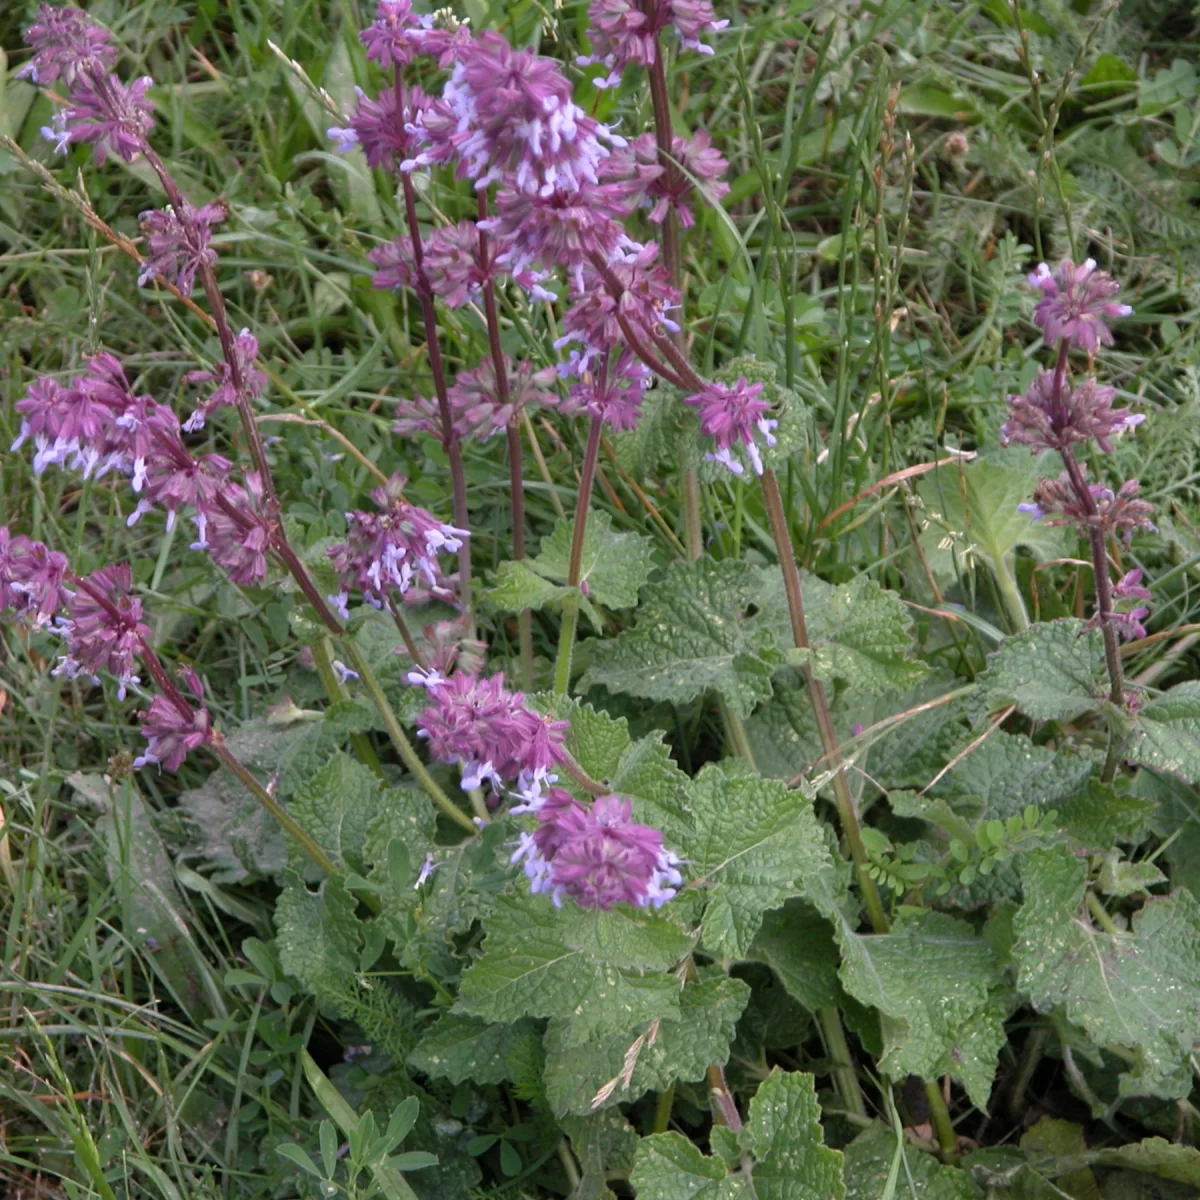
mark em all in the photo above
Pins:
pixel 613 568
pixel 692 634
pixel 784 1136
pixel 975 503
pixel 336 805
pixel 1136 990
pixel 298 1157
pixel 1008 772
pixel 870 1158
pixel 1177 818
pixel 669 1167
pixel 318 933
pixel 756 843
pixel 605 968
pixel 1156 1156
pixel 796 942
pixel 605 1144
pixel 941 995
pixel 1166 734
pixel 595 740
pixel 1120 878
pixel 1098 815
pixel 859 634
pixel 681 1048
pixel 1054 672
pixel 461 1048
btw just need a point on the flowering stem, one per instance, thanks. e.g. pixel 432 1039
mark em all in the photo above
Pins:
pixel 673 258
pixel 566 637
pixel 404 747
pixel 458 479
pixel 406 636
pixel 847 810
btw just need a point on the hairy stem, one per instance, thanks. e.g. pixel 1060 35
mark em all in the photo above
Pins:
pixel 846 808
pixel 404 747
pixel 942 1125
pixel 566 637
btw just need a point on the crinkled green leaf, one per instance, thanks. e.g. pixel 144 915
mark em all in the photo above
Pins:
pixel 1137 990
pixel 1121 878
pixel 756 843
pixel 1176 817
pixel 317 932
pixel 1054 672
pixel 784 1136
pixel 613 568
pixel 605 1144
pixel 859 634
pixel 1098 815
pixel 1156 1156
pixel 336 805
pixel 868 1163
pixel 648 775
pixel 609 970
pixel 669 1167
pixel 943 1001
pixel 692 634
pixel 796 942
pixel 595 740
pixel 681 1048
pixel 461 1048
pixel 1008 772
pixel 1166 735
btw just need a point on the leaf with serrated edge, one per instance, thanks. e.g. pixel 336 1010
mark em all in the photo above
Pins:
pixel 614 566
pixel 942 999
pixel 691 635
pixel 756 843
pixel 317 933
pixel 1053 672
pixel 461 1048
pixel 1166 735
pixel 607 969
pixel 869 1159
pixel 784 1136
pixel 682 1049
pixel 796 942
pixel 595 740
pixel 669 1167
pixel 1138 990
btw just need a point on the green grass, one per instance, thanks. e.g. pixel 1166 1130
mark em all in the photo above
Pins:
pixel 140 1054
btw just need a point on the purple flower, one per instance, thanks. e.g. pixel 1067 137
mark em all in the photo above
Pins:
pixel 177 249
pixel 394 38
pixel 730 414
pixel 66 43
pixel 490 730
pixel 193 483
pixel 1052 414
pixel 1055 501
pixel 700 162
pixel 245 349
pixel 32 579
pixel 508 113
pixel 475 403
pixel 385 140
pixel 563 228
pixel 172 734
pixel 1076 304
pixel 1129 586
pixel 627 31
pixel 233 530
pixel 644 304
pixel 453 266
pixel 397 265
pixel 1129 624
pixel 613 390
pixel 392 548
pixel 115 117
pixel 103 629
pixel 598 856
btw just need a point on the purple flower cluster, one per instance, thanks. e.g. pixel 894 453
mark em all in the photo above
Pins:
pixel 701 164
pixel 245 352
pixel 611 388
pixel 393 548
pixel 1058 502
pixel 103 629
pixel 1076 304
pixel 1052 414
pixel 386 140
pixel 32 579
pixel 731 414
pixel 624 32
pixel 491 731
pixel 177 249
pixel 172 730
pixel 112 116
pixel 598 856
